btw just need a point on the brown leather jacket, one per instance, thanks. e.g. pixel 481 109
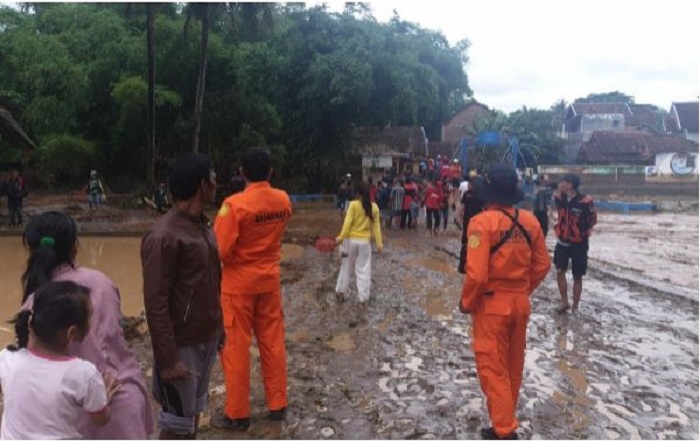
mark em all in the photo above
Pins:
pixel 181 284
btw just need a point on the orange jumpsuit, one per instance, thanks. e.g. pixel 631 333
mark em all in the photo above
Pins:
pixel 497 291
pixel 249 229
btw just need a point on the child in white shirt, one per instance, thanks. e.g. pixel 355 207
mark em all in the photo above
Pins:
pixel 44 389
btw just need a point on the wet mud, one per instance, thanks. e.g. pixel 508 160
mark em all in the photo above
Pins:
pixel 624 367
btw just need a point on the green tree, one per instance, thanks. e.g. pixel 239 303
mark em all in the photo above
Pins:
pixel 607 97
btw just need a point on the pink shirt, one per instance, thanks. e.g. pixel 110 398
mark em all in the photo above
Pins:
pixel 106 347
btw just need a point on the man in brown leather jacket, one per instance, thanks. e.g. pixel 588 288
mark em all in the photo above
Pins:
pixel 181 287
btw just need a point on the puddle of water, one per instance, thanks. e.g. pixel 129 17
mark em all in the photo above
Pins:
pixel 341 342
pixel 436 308
pixel 300 336
pixel 291 252
pixel 117 257
pixel 437 266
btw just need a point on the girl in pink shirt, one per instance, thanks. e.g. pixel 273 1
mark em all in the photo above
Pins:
pixel 45 390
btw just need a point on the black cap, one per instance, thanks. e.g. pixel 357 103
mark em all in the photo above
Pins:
pixel 572 179
pixel 499 185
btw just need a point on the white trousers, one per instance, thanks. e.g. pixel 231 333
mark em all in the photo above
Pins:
pixel 359 259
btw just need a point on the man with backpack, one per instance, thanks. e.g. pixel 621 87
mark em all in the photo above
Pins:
pixel 507 260
pixel 95 190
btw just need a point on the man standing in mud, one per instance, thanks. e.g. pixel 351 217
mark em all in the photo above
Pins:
pixel 576 219
pixel 249 229
pixel 507 260
pixel 16 191
pixel 181 285
pixel 469 207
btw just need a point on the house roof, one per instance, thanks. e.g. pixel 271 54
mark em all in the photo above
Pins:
pixel 594 108
pixel 12 132
pixel 643 115
pixel 389 140
pixel 670 144
pixel 632 146
pixel 465 107
pixel 687 116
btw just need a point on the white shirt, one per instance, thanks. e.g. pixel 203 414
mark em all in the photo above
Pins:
pixel 44 396
pixel 463 187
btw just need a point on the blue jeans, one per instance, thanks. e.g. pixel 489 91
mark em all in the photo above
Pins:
pixel 95 199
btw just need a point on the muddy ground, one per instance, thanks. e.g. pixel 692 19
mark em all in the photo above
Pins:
pixel 625 367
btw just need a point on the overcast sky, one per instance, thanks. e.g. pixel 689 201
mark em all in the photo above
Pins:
pixel 535 52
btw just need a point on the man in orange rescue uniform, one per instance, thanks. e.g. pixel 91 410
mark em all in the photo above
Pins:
pixel 507 260
pixel 249 229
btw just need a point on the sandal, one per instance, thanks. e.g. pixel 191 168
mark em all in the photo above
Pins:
pixel 563 309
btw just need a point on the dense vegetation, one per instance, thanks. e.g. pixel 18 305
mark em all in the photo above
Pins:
pixel 76 78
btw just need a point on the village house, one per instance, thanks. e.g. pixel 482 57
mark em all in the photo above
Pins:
pixel 683 119
pixel 583 119
pixel 464 123
pixel 376 149
pixel 663 158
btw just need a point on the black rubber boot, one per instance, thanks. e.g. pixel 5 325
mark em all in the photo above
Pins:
pixel 222 422
pixel 278 415
pixel 489 433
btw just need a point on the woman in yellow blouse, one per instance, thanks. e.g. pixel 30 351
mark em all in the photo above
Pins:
pixel 361 223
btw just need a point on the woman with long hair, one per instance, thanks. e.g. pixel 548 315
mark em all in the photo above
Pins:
pixel 361 223
pixel 52 241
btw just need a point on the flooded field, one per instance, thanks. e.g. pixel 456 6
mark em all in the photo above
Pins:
pixel 117 257
pixel 625 367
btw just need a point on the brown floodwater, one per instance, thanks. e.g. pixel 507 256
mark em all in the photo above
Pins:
pixel 117 257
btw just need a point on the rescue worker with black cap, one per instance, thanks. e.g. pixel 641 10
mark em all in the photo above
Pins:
pixel 507 260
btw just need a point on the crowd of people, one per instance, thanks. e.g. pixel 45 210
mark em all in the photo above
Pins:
pixel 210 288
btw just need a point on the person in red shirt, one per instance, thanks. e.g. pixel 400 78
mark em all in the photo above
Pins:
pixel 577 217
pixel 431 200
pixel 372 190
pixel 249 229
pixel 445 170
pixel 411 194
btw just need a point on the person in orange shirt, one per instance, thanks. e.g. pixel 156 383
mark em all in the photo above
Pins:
pixel 249 229
pixel 507 260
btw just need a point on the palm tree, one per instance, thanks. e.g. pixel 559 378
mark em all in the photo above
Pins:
pixel 151 114
pixel 201 12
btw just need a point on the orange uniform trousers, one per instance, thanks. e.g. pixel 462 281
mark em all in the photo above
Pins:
pixel 244 315
pixel 500 325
